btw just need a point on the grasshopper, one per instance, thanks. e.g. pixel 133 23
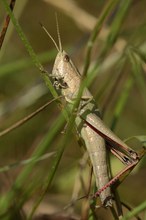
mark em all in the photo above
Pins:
pixel 95 134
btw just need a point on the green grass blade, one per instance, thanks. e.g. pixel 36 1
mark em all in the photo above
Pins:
pixel 25 162
pixel 122 101
pixel 29 48
pixel 95 33
pixel 135 211
pixel 25 63
pixel 116 25
pixel 7 200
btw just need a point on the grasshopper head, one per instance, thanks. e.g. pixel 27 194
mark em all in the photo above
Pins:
pixel 66 76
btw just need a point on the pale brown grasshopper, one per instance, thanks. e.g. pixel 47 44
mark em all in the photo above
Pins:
pixel 91 128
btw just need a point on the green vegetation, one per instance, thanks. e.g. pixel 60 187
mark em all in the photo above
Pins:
pixel 39 164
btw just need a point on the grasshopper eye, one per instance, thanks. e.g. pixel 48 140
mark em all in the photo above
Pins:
pixel 66 58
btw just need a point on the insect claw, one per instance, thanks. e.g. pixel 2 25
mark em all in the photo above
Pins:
pixel 108 202
pixel 133 154
pixel 44 71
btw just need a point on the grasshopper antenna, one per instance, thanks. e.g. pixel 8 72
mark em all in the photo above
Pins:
pixel 58 33
pixel 54 42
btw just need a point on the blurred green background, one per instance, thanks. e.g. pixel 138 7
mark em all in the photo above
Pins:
pixel 22 91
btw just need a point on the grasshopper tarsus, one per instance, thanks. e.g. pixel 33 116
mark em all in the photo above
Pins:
pixel 133 154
